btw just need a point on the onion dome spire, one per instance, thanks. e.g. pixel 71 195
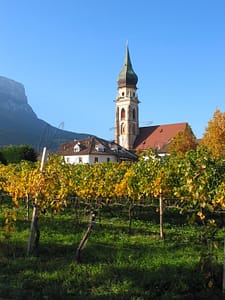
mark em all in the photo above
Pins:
pixel 127 76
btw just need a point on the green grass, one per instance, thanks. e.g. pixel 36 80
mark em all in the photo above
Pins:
pixel 115 265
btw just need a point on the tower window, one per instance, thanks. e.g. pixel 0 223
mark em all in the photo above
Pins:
pixel 123 94
pixel 122 129
pixel 134 114
pixel 133 93
pixel 123 114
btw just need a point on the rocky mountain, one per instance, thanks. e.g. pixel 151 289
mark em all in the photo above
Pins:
pixel 20 125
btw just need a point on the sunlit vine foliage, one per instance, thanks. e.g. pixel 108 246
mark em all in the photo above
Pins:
pixel 195 181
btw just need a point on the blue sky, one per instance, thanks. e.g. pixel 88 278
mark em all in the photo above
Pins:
pixel 68 54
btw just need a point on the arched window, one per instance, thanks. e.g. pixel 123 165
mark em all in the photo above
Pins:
pixel 122 115
pixel 122 128
pixel 134 114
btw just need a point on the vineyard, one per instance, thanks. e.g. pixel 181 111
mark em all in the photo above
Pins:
pixel 190 189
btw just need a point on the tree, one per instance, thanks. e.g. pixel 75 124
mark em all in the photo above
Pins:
pixel 15 154
pixel 183 142
pixel 214 135
pixel 2 160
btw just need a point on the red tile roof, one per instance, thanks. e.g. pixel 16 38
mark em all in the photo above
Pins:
pixel 157 137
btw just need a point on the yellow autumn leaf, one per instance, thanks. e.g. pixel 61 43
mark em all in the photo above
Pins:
pixel 210 284
pixel 201 215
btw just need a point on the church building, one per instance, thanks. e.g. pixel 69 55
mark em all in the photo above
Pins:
pixel 129 137
pixel 128 134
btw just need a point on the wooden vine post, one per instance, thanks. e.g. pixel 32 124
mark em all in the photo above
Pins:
pixel 34 228
pixel 131 208
pixel 86 236
pixel 27 207
pixel 161 214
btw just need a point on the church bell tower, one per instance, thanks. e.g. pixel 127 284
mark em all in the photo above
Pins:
pixel 127 123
